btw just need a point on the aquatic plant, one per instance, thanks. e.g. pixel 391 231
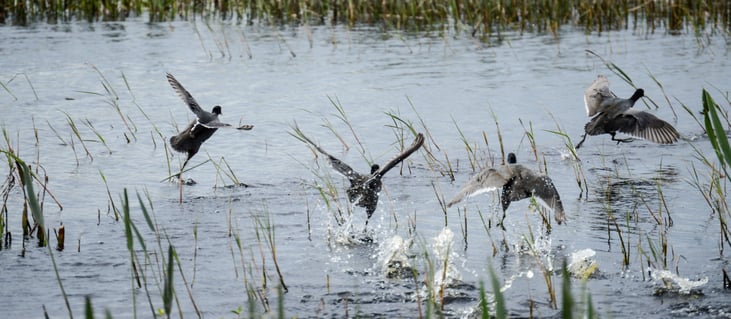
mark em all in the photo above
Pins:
pixel 485 20
pixel 716 195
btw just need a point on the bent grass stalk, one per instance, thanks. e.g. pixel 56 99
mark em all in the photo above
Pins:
pixel 113 100
pixel 326 188
pixel 342 116
pixel 25 174
pixel 96 132
pixel 270 238
pixel 579 174
pixel 76 132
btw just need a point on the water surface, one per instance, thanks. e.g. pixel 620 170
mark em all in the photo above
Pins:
pixel 272 77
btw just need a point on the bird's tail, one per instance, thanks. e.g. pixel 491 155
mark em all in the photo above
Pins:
pixel 175 143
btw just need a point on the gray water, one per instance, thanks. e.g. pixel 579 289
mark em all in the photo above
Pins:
pixel 450 85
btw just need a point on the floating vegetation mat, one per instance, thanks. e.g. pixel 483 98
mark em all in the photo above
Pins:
pixel 480 18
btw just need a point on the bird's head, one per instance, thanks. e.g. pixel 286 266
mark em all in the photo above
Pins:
pixel 637 95
pixel 511 158
pixel 217 110
pixel 374 168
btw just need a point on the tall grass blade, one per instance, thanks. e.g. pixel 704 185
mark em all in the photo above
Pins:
pixel 716 132
pixel 500 310
pixel 167 294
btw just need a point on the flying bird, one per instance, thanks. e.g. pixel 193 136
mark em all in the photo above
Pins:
pixel 364 188
pixel 516 182
pixel 612 114
pixel 201 128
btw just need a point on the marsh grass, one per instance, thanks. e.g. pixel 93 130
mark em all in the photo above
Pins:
pixel 324 183
pixel 12 78
pixel 265 228
pixel 158 271
pixel 484 20
pixel 31 201
pixel 223 169
pixel 77 133
pixel 544 261
pixel 715 193
pixel 579 175
pixel 112 98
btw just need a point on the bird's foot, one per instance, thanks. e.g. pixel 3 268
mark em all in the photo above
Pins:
pixel 623 140
pixel 245 127
pixel 583 138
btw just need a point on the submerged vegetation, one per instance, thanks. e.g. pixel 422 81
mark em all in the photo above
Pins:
pixel 479 18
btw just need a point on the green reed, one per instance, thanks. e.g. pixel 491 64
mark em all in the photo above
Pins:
pixel 485 20
pixel 27 79
pixel 716 193
pixel 325 185
pixel 501 310
pixel 543 262
pixel 77 133
pixel 267 229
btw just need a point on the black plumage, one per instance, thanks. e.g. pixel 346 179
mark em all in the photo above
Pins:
pixel 364 188
pixel 199 130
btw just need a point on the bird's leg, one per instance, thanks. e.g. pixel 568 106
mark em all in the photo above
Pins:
pixel 502 226
pixel 621 140
pixel 583 137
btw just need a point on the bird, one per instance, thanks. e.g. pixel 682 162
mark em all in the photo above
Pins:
pixel 364 188
pixel 615 114
pixel 201 128
pixel 516 182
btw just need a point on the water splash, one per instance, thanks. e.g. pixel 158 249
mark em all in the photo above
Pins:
pixel 673 282
pixel 582 263
pixel 393 257
pixel 447 274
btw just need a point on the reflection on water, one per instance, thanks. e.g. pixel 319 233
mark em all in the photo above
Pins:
pixel 452 87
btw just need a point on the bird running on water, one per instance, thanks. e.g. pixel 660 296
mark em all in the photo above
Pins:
pixel 615 114
pixel 201 128
pixel 364 188
pixel 517 182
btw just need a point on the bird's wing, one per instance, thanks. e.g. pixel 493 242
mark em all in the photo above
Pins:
pixel 337 164
pixel 396 160
pixel 543 190
pixel 344 169
pixel 486 180
pixel 646 126
pixel 213 124
pixel 183 93
pixel 595 93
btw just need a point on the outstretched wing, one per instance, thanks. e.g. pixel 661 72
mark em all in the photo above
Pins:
pixel 542 188
pixel 337 164
pixel 183 93
pixel 646 126
pixel 595 94
pixel 396 160
pixel 486 180
pixel 213 124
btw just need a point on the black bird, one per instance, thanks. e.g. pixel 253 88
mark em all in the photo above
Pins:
pixel 617 115
pixel 364 188
pixel 517 182
pixel 199 130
